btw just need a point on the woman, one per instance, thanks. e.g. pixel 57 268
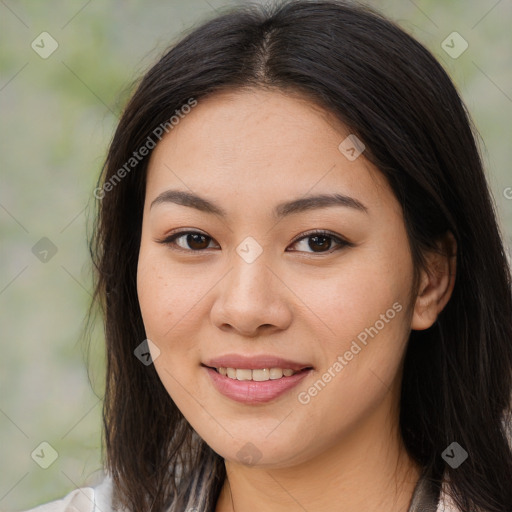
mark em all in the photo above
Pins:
pixel 307 302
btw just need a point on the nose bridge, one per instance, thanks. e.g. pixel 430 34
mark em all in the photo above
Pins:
pixel 249 296
pixel 251 276
pixel 250 261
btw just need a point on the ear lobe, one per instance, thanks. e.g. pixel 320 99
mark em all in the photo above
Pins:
pixel 436 283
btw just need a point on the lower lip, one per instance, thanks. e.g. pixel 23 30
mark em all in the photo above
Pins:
pixel 253 392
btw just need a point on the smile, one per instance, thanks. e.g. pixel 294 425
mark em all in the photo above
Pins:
pixel 258 375
pixel 256 386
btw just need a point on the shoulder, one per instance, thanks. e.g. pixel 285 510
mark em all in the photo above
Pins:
pixel 99 499
pixel 83 499
pixel 445 503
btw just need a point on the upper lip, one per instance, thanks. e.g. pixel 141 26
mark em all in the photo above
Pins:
pixel 254 362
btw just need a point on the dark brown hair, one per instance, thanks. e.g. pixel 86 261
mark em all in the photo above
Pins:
pixel 392 93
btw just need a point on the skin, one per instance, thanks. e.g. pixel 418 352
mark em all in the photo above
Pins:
pixel 248 151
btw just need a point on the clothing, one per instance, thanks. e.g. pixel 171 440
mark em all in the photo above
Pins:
pixel 83 499
pixel 98 499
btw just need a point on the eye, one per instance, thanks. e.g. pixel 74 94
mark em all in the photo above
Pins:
pixel 194 241
pixel 320 242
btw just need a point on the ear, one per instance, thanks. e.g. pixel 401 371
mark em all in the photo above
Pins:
pixel 436 283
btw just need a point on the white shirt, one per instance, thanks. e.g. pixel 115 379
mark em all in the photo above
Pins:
pixel 82 499
pixel 99 497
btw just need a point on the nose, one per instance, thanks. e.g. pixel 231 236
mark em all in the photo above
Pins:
pixel 251 300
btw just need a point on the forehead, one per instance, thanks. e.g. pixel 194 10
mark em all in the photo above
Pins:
pixel 261 145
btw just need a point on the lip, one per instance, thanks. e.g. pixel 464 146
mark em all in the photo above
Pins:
pixel 253 392
pixel 255 362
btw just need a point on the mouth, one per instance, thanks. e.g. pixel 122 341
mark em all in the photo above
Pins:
pixel 255 379
pixel 255 386
pixel 257 374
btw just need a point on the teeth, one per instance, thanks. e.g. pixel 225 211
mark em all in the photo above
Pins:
pixel 260 375
pixel 275 373
pixel 256 375
pixel 243 374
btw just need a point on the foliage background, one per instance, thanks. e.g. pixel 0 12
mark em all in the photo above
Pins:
pixel 58 115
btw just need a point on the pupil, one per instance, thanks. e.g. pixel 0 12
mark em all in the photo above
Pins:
pixel 198 241
pixel 324 245
pixel 193 238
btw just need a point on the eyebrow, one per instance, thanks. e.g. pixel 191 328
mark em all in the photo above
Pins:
pixel 302 204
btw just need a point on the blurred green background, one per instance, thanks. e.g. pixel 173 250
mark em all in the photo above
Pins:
pixel 58 116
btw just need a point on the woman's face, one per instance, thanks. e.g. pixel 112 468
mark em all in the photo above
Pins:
pixel 257 287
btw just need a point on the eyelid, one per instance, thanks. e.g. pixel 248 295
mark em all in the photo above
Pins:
pixel 169 239
pixel 172 236
pixel 342 242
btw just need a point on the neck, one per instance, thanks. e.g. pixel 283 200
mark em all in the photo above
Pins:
pixel 368 470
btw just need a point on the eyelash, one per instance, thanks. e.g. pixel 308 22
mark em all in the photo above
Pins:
pixel 170 241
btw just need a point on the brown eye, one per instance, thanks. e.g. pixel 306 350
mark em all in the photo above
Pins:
pixel 319 242
pixel 196 241
pixel 188 241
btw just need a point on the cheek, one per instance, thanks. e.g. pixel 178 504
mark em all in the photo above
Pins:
pixel 353 296
pixel 156 296
pixel 167 298
pixel 365 306
pixel 167 294
pixel 361 361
